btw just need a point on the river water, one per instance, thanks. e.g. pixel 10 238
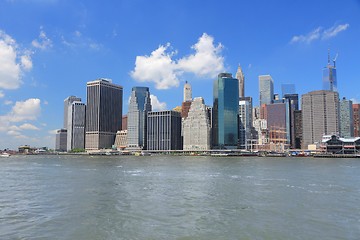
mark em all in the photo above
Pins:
pixel 173 197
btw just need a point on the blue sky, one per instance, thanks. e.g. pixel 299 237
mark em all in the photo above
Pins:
pixel 49 49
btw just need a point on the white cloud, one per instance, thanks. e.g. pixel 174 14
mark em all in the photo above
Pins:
pixel 319 33
pixel 28 126
pixel 25 110
pixel 10 69
pixel 8 102
pixel 158 68
pixel 2 94
pixel 207 60
pixel 164 72
pixel 13 133
pixel 333 31
pixel 156 104
pixel 43 42
pixel 26 62
pixel 308 38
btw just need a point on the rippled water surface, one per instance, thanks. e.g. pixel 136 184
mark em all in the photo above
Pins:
pixel 161 197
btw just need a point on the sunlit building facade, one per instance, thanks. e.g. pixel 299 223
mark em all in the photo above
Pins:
pixel 139 106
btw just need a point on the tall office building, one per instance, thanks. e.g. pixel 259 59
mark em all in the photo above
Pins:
pixel 297 129
pixel 266 89
pixel 320 115
pixel 225 112
pixel 241 78
pixel 76 126
pixel 278 119
pixel 294 100
pixel 187 92
pixel 329 76
pixel 185 106
pixel 139 106
pixel 60 140
pixel 196 127
pixel 245 121
pixel 356 112
pixel 67 102
pixel 164 130
pixel 103 113
pixel 346 118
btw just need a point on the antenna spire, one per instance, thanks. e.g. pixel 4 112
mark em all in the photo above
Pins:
pixel 328 56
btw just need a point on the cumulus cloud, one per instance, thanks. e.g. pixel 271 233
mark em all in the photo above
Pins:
pixel 207 60
pixel 156 104
pixel 26 62
pixel 158 68
pixel 161 69
pixel 12 62
pixel 25 110
pixel 42 42
pixel 28 126
pixel 319 33
pixel 22 111
pixel 2 94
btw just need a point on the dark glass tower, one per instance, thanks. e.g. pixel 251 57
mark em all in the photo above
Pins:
pixel 225 112
pixel 103 113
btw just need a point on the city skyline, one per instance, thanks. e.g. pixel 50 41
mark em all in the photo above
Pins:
pixel 136 43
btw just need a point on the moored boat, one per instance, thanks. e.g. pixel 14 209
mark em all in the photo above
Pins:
pixel 4 154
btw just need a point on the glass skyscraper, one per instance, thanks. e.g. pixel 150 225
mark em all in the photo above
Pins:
pixel 329 76
pixel 139 106
pixel 346 118
pixel 266 89
pixel 225 112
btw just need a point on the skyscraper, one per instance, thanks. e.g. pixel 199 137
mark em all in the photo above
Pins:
pixel 187 92
pixel 266 89
pixel 103 113
pixel 329 76
pixel 76 126
pixel 225 112
pixel 196 127
pixel 67 103
pixel 297 129
pixel 346 118
pixel 139 106
pixel 320 115
pixel 356 112
pixel 164 130
pixel 278 122
pixel 245 121
pixel 241 78
pixel 60 140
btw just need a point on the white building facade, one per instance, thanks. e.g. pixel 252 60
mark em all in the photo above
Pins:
pixel 196 127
